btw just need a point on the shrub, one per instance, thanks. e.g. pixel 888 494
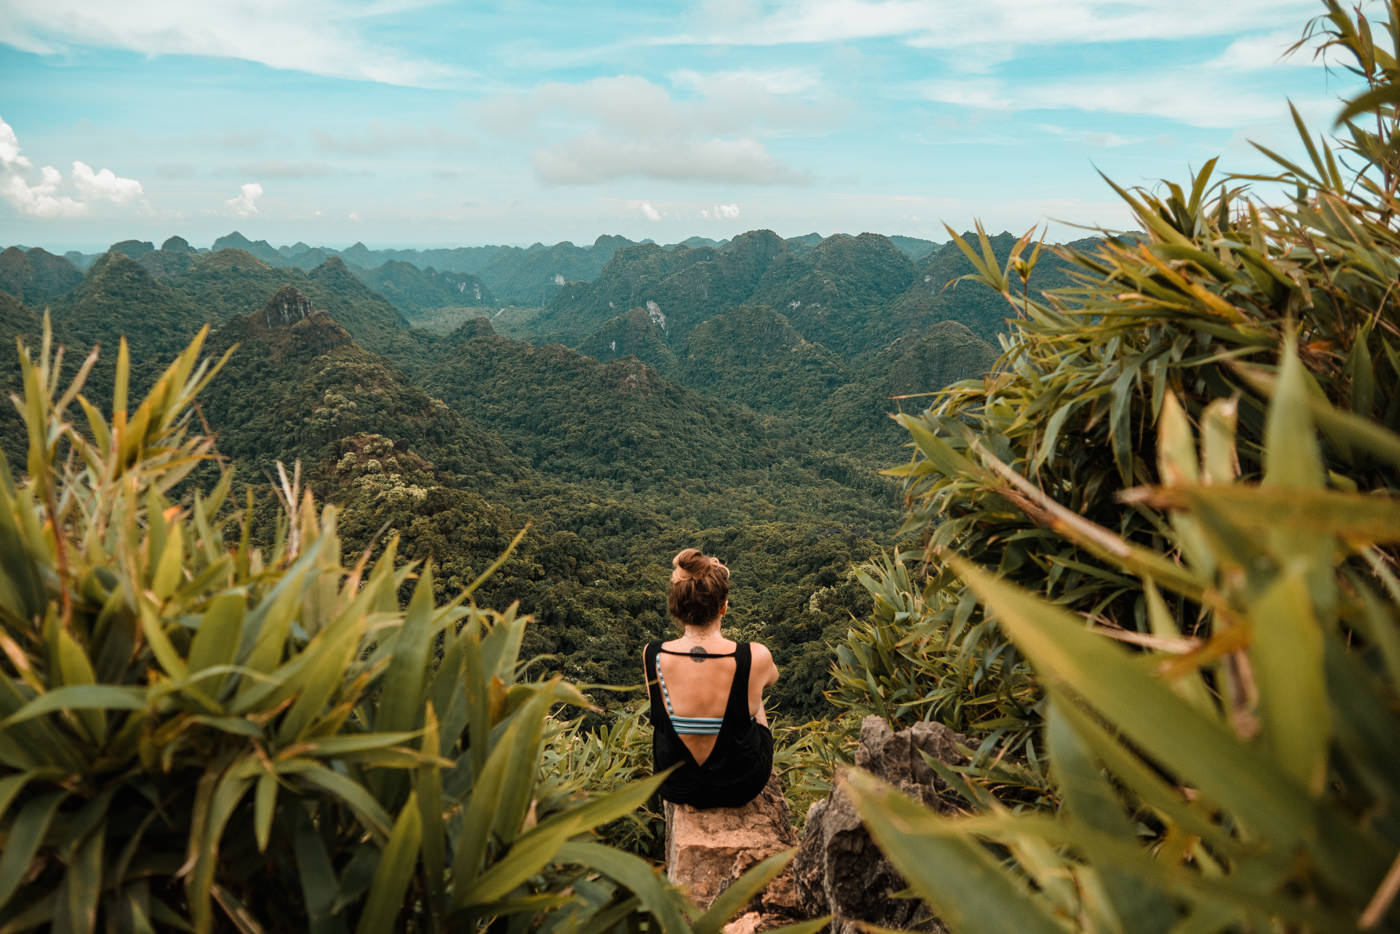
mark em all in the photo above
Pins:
pixel 199 734
pixel 1218 653
pixel 1213 281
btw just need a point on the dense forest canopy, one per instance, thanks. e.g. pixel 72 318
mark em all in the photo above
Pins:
pixel 730 395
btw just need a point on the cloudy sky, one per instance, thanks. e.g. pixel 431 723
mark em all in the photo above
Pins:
pixel 419 123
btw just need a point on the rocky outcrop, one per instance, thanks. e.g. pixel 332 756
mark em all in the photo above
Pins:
pixel 839 869
pixel 707 850
pixel 287 307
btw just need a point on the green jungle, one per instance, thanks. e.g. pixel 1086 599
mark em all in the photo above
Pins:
pixel 324 574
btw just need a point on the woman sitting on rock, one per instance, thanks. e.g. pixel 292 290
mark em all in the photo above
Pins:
pixel 707 695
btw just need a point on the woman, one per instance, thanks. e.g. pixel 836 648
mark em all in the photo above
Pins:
pixel 707 695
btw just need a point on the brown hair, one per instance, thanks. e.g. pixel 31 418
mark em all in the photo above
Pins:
pixel 699 587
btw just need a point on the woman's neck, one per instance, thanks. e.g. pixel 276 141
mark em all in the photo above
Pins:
pixel 703 633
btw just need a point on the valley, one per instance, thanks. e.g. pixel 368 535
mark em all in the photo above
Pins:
pixel 618 402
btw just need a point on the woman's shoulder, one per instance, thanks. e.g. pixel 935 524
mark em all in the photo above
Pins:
pixel 761 657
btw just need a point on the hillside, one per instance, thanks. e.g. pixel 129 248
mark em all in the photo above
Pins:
pixel 808 328
pixel 35 276
pixel 16 321
pixel 682 410
pixel 415 291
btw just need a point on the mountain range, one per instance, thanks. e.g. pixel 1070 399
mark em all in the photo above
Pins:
pixel 728 395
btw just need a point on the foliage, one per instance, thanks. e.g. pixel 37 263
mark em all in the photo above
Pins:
pixel 1252 766
pixel 36 276
pixel 198 734
pixel 414 291
pixel 1222 735
pixel 1211 284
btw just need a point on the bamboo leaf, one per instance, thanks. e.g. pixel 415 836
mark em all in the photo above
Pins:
pixel 396 867
pixel 739 892
pixel 79 697
pixel 317 877
pixel 1089 798
pixel 1122 690
pixel 27 833
pixel 637 876
pixel 528 856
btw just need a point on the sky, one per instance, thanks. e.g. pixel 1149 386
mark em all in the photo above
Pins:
pixel 409 123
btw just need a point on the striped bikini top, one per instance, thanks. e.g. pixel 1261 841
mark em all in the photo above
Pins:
pixel 695 726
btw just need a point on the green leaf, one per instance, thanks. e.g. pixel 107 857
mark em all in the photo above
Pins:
pixel 528 856
pixel 79 697
pixel 740 892
pixel 316 875
pixel 82 884
pixel 403 685
pixel 1286 649
pixel 958 878
pixel 428 788
pixel 26 834
pixel 1090 799
pixel 655 895
pixel 264 805
pixel 1120 687
pixel 617 803
pixel 375 818
pixel 75 669
pixel 396 867
pixel 216 639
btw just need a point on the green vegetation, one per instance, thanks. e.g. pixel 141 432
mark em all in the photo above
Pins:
pixel 35 276
pixel 1159 557
pixel 198 733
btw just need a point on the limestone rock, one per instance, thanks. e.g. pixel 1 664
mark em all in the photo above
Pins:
pixel 839 867
pixel 706 850
pixel 286 308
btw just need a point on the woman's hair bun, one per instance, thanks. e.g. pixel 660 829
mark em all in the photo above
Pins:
pixel 693 561
pixel 699 587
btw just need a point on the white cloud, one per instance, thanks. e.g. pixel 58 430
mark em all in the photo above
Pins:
pixel 721 104
pixel 104 185
pixel 592 158
pixel 355 218
pixel 649 212
pixel 774 81
pixel 1258 51
pixel 720 212
pixel 322 37
pixel 1187 95
pixel 9 149
pixel 379 138
pixel 1091 137
pixel 994 24
pixel 626 126
pixel 42 199
pixel 245 203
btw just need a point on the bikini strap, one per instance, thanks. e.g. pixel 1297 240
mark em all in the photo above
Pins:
pixel 702 657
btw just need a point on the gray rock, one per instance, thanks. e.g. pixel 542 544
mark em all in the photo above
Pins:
pixel 839 868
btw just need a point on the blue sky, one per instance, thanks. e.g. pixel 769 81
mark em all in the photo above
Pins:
pixel 411 123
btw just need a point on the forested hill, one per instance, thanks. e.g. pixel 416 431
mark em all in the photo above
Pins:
pixel 826 333
pixel 512 275
pixel 734 401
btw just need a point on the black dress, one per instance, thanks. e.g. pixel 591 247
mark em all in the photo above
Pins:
pixel 737 767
